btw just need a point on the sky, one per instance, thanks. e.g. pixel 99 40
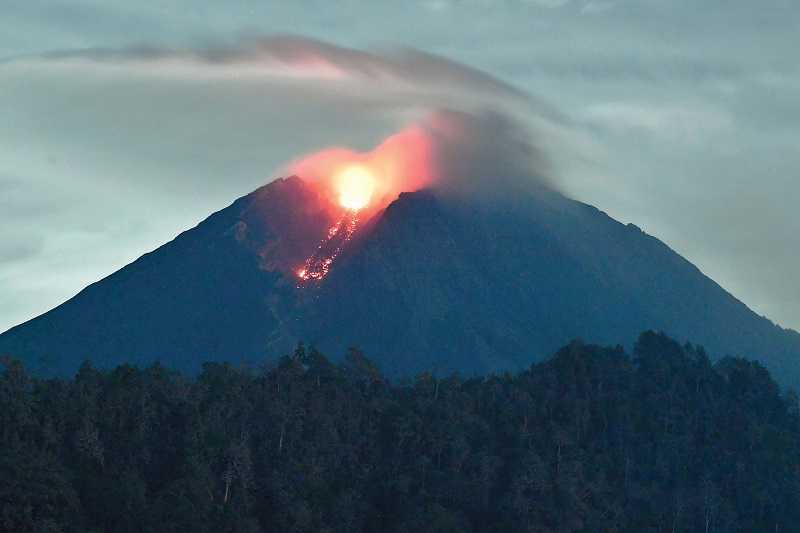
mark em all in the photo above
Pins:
pixel 125 123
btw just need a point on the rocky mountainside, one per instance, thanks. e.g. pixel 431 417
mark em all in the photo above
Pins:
pixel 433 282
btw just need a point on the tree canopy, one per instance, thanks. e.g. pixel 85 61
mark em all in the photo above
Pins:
pixel 590 440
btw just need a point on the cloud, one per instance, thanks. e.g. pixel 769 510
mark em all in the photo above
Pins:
pixel 598 6
pixel 101 113
pixel 184 145
pixel 549 4
pixel 148 139
pixel 149 114
pixel 454 152
pixel 286 58
pixel 14 248
pixel 679 123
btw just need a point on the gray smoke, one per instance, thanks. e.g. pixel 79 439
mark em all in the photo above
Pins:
pixel 129 147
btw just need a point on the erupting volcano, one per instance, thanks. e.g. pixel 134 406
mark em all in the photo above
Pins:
pixel 360 185
pixel 355 185
pixel 424 252
pixel 318 265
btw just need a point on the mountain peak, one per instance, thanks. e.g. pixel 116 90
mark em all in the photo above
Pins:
pixel 431 281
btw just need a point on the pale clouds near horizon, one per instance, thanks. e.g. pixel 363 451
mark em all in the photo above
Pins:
pixel 686 116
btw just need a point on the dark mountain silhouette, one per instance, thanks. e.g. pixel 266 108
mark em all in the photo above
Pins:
pixel 434 281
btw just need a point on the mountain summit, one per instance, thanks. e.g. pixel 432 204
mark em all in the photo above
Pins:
pixel 431 282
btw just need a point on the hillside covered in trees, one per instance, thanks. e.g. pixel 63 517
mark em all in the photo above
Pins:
pixel 590 440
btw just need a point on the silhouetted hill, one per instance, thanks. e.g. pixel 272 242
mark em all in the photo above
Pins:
pixel 213 292
pixel 591 440
pixel 505 281
pixel 434 281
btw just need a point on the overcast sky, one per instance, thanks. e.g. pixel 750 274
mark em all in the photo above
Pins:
pixel 680 116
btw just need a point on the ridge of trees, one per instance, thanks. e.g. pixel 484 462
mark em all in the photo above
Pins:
pixel 590 440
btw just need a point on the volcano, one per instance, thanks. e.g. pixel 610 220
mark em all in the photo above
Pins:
pixel 430 282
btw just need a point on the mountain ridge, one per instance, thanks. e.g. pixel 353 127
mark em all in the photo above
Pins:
pixel 428 279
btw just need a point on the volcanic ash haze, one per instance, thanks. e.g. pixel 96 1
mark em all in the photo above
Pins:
pixel 258 103
pixel 455 151
pixel 445 247
pixel 451 152
pixel 460 275
pixel 461 256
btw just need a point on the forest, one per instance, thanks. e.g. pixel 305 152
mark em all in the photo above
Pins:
pixel 592 439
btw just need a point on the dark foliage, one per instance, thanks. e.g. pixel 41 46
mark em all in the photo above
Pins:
pixel 590 440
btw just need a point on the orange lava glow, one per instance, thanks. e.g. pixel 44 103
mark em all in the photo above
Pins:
pixel 319 264
pixel 369 181
pixel 355 185
pixel 361 184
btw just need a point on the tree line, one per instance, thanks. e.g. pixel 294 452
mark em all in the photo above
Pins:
pixel 592 439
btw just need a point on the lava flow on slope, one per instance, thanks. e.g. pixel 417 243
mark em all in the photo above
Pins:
pixel 354 186
pixel 317 266
pixel 360 185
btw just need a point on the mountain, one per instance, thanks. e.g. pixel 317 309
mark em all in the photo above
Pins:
pixel 432 282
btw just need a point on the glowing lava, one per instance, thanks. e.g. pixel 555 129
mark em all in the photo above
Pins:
pixel 317 266
pixel 363 183
pixel 355 185
pixel 369 181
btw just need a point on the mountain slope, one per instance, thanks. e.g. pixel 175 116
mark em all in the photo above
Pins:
pixel 472 288
pixel 433 282
pixel 211 293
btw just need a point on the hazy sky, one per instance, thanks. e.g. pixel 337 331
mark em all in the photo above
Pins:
pixel 680 116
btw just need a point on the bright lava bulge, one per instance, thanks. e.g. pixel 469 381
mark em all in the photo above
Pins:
pixel 355 185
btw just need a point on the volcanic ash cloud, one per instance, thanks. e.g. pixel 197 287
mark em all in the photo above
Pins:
pixel 448 150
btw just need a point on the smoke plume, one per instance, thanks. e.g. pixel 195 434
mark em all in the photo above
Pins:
pixel 163 137
pixel 272 100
